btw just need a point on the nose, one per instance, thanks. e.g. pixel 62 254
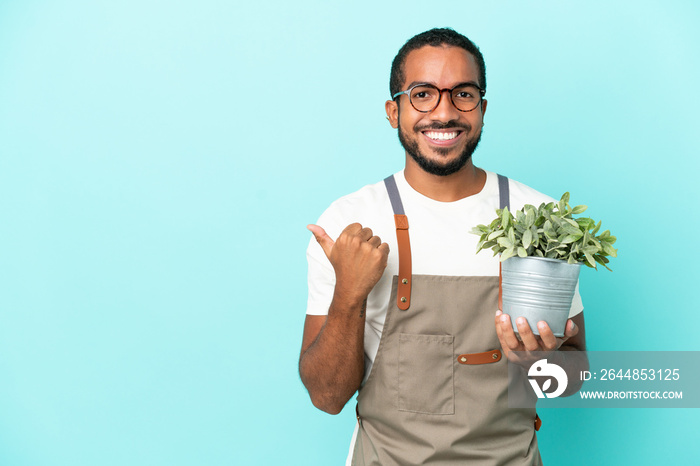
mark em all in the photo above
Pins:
pixel 445 111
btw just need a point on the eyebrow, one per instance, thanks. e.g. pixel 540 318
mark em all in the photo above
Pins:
pixel 467 83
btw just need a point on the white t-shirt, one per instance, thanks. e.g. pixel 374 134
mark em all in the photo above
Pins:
pixel 440 235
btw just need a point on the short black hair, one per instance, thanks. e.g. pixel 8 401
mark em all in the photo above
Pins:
pixel 435 37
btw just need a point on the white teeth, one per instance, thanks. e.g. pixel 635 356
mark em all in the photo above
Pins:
pixel 440 136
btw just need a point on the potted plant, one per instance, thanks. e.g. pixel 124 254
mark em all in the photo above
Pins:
pixel 542 249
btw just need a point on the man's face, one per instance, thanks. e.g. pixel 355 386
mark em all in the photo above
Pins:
pixel 442 141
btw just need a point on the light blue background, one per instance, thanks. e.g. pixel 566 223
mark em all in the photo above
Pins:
pixel 159 162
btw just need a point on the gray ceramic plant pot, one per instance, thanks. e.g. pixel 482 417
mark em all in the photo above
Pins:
pixel 539 289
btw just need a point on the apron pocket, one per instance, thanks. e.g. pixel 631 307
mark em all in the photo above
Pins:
pixel 426 371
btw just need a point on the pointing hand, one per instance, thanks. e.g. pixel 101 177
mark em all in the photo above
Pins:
pixel 358 257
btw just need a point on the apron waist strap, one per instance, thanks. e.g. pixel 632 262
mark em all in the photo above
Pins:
pixel 487 357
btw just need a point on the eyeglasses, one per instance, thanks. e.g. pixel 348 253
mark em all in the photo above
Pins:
pixel 425 97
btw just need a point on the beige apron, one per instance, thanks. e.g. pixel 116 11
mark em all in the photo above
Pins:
pixel 437 391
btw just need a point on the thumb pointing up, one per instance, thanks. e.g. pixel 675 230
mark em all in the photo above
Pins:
pixel 323 239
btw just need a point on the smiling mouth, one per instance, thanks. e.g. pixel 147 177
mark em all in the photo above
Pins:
pixel 441 135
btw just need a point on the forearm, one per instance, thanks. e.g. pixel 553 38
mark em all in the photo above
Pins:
pixel 332 367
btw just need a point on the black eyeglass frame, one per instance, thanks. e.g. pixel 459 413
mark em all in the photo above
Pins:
pixel 482 93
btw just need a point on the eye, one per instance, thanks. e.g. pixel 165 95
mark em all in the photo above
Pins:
pixel 423 93
pixel 466 93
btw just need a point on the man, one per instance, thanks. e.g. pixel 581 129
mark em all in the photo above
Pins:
pixel 409 322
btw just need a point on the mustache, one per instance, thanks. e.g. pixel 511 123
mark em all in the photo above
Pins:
pixel 441 126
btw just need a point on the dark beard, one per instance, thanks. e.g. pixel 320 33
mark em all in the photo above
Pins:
pixel 435 168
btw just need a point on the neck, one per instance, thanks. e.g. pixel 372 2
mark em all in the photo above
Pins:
pixel 465 182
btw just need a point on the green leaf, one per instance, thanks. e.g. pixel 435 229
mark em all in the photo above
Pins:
pixel 570 230
pixel 579 209
pixel 480 229
pixel 488 244
pixel 529 215
pixel 549 230
pixel 591 249
pixel 522 252
pixel 570 238
pixel 552 246
pixel 547 215
pixel 508 253
pixel 511 235
pixel 562 203
pixel 590 259
pixel 586 237
pixel 585 223
pixel 495 234
pixel 556 223
pixel 505 217
pixel 535 232
pixel 505 242
pixel 609 250
pixel 601 259
pixel 572 223
pixel 527 238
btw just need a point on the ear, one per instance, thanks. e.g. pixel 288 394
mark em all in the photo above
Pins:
pixel 483 107
pixel 392 113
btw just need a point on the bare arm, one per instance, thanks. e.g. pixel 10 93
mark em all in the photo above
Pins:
pixel 331 364
pixel 332 358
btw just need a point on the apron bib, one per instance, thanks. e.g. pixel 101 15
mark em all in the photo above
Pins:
pixel 437 392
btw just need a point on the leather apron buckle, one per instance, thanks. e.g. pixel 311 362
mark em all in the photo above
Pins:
pixel 487 357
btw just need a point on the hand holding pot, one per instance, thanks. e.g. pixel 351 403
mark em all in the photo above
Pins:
pixel 545 341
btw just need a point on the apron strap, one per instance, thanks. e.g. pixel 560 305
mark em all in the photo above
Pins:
pixel 403 294
pixel 504 194
pixel 394 196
